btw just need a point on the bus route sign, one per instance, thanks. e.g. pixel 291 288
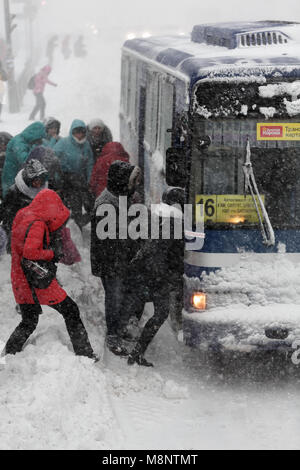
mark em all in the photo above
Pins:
pixel 228 208
pixel 278 131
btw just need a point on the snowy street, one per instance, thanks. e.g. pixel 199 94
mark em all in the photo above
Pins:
pixel 52 399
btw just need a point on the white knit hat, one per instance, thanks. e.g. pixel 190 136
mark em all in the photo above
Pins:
pixel 96 123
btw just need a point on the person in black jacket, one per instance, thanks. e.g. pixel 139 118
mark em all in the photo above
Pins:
pixel 50 161
pixel 4 140
pixel 98 136
pixel 156 274
pixel 110 257
pixel 28 183
pixel 52 44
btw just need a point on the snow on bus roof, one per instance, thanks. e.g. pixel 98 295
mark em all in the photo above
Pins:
pixel 198 59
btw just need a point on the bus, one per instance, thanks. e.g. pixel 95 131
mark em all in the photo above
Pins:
pixel 217 113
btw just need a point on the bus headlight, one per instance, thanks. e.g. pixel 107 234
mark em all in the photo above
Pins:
pixel 199 301
pixel 237 220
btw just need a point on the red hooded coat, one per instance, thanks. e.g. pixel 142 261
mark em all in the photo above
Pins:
pixel 48 214
pixel 111 152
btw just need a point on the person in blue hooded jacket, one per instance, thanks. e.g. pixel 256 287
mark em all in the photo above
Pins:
pixel 17 152
pixel 52 126
pixel 76 159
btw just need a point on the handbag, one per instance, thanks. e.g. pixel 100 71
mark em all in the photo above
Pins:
pixel 70 253
pixel 39 274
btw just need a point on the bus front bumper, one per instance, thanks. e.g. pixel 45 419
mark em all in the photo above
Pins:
pixel 244 329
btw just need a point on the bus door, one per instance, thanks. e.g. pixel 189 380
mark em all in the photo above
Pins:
pixel 164 126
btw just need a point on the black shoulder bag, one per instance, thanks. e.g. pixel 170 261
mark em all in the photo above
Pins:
pixel 39 274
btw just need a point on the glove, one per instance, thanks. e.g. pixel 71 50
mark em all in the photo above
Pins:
pixel 57 257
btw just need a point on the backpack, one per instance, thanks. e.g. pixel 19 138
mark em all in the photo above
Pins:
pixel 31 83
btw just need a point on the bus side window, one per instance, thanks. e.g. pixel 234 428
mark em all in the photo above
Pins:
pixel 137 99
pixel 165 116
pixel 133 95
pixel 124 81
pixel 151 115
pixel 128 90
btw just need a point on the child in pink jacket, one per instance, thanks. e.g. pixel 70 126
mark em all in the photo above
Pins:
pixel 41 80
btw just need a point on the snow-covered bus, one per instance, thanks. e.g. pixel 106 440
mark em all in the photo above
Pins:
pixel 218 113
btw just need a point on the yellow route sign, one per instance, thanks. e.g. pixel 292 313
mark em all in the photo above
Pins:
pixel 278 131
pixel 228 208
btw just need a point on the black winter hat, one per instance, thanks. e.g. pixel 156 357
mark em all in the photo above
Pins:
pixel 5 137
pixel 118 178
pixel 172 196
pixel 41 154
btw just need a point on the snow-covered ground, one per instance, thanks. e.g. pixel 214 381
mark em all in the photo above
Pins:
pixel 51 399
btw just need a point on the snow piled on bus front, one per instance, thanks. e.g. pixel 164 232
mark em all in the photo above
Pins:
pixel 252 282
pixel 245 300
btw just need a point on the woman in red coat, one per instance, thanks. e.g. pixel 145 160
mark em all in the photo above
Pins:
pixel 43 217
pixel 111 152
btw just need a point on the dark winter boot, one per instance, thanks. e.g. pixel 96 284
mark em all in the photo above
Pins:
pixel 115 346
pixel 138 359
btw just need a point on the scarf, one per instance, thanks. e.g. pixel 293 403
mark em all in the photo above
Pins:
pixel 28 191
pixel 80 141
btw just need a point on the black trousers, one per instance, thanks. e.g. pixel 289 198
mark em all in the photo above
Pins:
pixel 75 198
pixel 40 106
pixel 134 301
pixel 30 317
pixel 115 314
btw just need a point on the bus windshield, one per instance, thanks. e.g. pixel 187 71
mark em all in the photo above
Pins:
pixel 217 178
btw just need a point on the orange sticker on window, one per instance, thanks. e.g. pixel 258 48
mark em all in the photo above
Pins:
pixel 278 131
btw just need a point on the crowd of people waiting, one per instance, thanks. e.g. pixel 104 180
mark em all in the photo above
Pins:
pixel 45 180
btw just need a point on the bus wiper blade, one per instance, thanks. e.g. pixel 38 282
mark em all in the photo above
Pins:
pixel 251 186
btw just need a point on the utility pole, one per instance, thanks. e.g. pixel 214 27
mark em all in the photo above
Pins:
pixel 13 99
pixel 30 12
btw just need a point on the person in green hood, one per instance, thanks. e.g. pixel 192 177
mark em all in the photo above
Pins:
pixel 76 159
pixel 18 151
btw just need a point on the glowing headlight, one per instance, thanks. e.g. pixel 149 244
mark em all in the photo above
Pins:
pixel 237 220
pixel 199 300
